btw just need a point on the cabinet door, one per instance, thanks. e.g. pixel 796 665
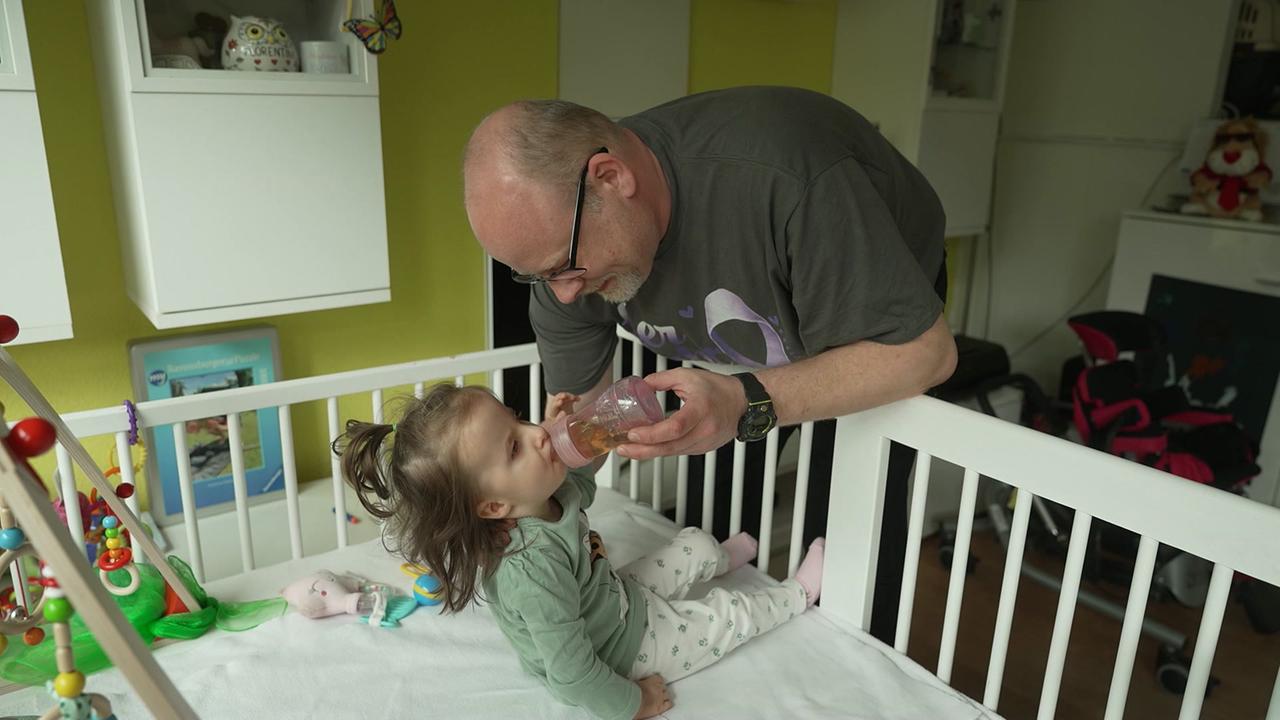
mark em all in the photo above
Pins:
pixel 258 198
pixel 957 155
pixel 32 287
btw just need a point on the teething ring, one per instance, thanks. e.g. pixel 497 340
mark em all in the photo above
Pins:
pixel 106 563
pixel 134 581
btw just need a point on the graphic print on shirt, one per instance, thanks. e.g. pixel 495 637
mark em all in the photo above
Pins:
pixel 594 544
pixel 720 307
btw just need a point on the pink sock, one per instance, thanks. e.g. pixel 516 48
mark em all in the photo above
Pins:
pixel 809 574
pixel 742 550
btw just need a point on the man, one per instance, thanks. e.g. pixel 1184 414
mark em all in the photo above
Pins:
pixel 772 228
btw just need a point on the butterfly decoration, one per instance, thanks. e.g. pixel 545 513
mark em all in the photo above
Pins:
pixel 373 31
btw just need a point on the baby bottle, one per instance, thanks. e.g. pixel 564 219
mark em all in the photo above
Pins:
pixel 602 426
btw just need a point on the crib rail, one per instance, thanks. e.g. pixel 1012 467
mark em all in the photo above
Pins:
pixel 1226 530
pixel 280 397
pixel 1235 534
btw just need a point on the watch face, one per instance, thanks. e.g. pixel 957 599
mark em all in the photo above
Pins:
pixel 756 424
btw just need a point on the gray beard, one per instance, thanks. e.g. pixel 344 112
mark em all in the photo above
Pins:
pixel 625 286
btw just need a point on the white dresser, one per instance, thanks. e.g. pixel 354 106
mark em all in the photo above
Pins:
pixel 1220 282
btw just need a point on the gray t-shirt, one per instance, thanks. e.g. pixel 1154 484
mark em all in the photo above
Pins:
pixel 795 228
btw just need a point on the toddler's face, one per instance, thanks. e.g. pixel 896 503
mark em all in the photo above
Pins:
pixel 513 459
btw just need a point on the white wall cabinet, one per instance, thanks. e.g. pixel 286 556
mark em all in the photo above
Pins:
pixel 242 194
pixel 931 76
pixel 33 289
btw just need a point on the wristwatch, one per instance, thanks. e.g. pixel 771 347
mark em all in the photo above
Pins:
pixel 759 418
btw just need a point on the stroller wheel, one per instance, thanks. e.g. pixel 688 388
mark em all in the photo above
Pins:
pixel 1172 670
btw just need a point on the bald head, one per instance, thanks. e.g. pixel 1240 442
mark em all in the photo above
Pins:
pixel 543 142
pixel 520 173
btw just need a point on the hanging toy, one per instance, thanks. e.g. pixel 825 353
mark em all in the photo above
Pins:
pixel 118 556
pixel 373 31
pixel 67 688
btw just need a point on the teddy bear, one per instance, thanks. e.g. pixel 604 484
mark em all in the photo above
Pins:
pixel 1229 183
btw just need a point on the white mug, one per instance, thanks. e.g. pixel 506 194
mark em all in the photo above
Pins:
pixel 323 56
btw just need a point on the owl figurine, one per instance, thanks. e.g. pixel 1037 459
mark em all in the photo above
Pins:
pixel 260 45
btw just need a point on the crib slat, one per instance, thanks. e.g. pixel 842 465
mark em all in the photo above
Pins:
pixel 127 476
pixel 802 498
pixel 188 494
pixel 335 467
pixel 637 359
pixel 290 482
pixel 662 365
pixel 735 497
pixel 911 564
pixel 1008 597
pixel 499 385
pixel 766 500
pixel 682 477
pixel 959 564
pixel 459 381
pixel 708 489
pixel 656 490
pixel 376 398
pixel 535 393
pixel 1066 613
pixel 67 491
pixel 682 489
pixel 1135 609
pixel 419 390
pixel 1206 641
pixel 241 488
pixel 633 471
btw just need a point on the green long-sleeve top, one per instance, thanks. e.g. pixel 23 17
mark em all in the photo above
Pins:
pixel 571 619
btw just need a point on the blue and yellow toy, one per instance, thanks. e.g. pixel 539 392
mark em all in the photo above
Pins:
pixel 427 588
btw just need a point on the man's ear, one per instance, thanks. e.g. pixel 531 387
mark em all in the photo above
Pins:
pixel 610 170
pixel 493 510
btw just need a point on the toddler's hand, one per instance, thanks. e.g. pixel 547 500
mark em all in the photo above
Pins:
pixel 654 699
pixel 559 404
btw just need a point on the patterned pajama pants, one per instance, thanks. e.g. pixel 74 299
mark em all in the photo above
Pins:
pixel 683 636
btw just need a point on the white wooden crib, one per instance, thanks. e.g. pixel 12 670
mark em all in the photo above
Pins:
pixel 1235 534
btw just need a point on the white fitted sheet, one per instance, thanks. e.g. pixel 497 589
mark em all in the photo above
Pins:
pixel 461 666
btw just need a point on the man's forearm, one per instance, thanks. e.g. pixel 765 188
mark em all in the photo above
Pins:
pixel 860 376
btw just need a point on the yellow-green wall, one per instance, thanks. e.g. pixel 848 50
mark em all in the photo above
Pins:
pixel 761 42
pixel 455 62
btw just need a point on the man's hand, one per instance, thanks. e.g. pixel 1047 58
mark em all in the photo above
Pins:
pixel 711 406
pixel 654 698
pixel 558 405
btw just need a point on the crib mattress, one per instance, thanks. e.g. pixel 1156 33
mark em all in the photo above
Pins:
pixel 460 666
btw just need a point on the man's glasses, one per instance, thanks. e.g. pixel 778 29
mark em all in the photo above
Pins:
pixel 570 269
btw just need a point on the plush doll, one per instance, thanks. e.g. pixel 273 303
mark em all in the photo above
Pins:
pixel 324 594
pixel 1234 173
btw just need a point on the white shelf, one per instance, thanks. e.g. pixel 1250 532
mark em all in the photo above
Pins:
pixel 242 194
pixel 310 14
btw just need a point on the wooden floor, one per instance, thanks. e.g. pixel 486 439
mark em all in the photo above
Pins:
pixel 1246 662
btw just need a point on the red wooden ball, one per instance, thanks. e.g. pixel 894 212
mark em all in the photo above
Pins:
pixel 8 329
pixel 124 490
pixel 33 636
pixel 32 436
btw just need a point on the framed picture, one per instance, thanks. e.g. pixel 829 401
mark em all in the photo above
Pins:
pixel 193 364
